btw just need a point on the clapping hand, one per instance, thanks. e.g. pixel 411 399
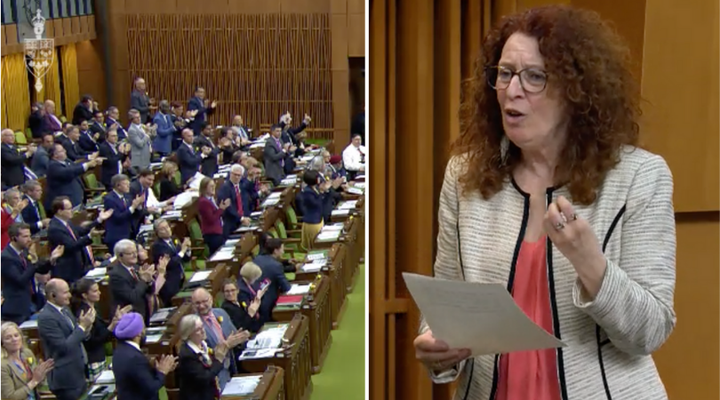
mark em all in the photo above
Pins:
pixel 237 339
pixel 213 104
pixel 138 200
pixel 185 245
pixel 119 312
pixel 87 318
pixel 225 204
pixel 147 272
pixel 17 210
pixel 105 214
pixel 40 371
pixel 167 364
pixel 162 264
pixel 57 253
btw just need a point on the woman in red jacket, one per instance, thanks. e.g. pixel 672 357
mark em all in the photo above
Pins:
pixel 210 213
pixel 11 208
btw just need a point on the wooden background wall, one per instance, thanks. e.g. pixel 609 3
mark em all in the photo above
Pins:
pixel 321 35
pixel 420 49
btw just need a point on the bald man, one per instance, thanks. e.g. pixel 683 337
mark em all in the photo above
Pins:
pixel 218 327
pixel 12 160
pixel 62 335
pixel 52 123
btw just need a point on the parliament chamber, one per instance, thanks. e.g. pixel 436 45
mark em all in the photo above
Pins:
pixel 183 189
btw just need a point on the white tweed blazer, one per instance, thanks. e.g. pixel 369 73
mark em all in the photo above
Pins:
pixel 609 340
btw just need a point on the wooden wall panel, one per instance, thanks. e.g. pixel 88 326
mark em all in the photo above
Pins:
pixel 688 362
pixel 356 34
pixel 91 71
pixel 682 107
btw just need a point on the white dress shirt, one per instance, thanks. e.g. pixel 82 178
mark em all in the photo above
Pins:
pixel 352 157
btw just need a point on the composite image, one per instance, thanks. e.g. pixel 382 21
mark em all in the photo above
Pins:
pixel 190 210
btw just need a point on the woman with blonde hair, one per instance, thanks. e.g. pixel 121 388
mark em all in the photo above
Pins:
pixel 168 188
pixel 20 373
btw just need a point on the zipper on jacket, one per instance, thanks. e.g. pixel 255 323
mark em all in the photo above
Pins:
pixel 511 277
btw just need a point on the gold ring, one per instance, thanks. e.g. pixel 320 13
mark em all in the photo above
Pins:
pixel 559 226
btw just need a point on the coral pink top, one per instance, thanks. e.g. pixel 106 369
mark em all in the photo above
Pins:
pixel 530 374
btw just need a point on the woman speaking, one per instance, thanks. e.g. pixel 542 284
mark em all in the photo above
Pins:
pixel 548 194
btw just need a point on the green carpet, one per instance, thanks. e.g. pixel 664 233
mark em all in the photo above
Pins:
pixel 343 374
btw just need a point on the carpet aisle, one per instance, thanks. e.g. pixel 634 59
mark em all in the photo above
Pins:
pixel 343 374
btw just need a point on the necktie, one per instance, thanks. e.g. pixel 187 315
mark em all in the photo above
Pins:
pixel 212 321
pixel 279 145
pixel 88 250
pixel 238 200
pixel 71 321
pixel 172 246
pixel 134 274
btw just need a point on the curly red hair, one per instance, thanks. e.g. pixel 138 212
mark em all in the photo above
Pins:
pixel 588 64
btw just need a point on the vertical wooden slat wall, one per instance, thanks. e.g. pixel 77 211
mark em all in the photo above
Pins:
pixel 258 66
pixel 420 50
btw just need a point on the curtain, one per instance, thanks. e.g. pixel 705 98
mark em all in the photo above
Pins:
pixel 68 53
pixel 3 103
pixel 16 92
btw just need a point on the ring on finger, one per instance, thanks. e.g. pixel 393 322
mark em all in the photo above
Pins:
pixel 559 226
pixel 573 217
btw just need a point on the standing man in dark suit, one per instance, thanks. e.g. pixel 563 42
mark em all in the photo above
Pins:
pixel 189 159
pixel 113 119
pixel 34 215
pixel 120 225
pixel 98 126
pixel 135 378
pixel 41 158
pixel 12 161
pixel 63 177
pixel 165 245
pixel 236 214
pixel 36 122
pixel 130 285
pixel 84 110
pixel 61 336
pixel 114 156
pixel 273 276
pixel 275 155
pixel 204 141
pixel 19 269
pixel 77 257
pixel 72 146
pixel 204 109
pixel 140 100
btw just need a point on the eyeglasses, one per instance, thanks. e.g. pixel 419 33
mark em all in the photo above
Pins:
pixel 532 80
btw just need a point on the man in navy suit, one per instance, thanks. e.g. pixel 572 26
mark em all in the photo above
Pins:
pixel 77 257
pixel 135 378
pixel 120 224
pixel 32 215
pixel 218 328
pixel 130 285
pixel 19 269
pixel 113 119
pixel 210 151
pixel 273 276
pixel 276 155
pixel 72 146
pixel 63 177
pixel 114 156
pixel 237 214
pixel 204 109
pixel 189 159
pixel 61 336
pixel 166 245
pixel 13 162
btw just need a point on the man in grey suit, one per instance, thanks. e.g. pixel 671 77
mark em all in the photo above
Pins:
pixel 275 155
pixel 62 336
pixel 218 329
pixel 140 142
pixel 139 100
pixel 41 158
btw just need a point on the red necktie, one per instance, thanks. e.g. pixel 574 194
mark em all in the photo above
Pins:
pixel 238 201
pixel 88 250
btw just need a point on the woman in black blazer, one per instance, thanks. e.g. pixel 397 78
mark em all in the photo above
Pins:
pixel 242 301
pixel 168 188
pixel 198 366
pixel 85 295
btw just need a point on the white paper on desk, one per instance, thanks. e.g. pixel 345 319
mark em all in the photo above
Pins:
pixel 328 236
pixel 313 267
pixel 348 205
pixel 340 212
pixel 355 190
pixel 96 273
pixel 298 289
pixel 29 324
pixel 241 385
pixel 107 376
pixel 222 256
pixel 200 276
pixel 184 199
pixel 481 317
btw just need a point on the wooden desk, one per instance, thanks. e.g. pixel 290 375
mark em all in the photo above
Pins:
pixel 316 307
pixel 214 284
pixel 271 386
pixel 334 271
pixel 295 359
pixel 352 255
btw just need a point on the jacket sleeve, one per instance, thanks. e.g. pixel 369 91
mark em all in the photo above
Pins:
pixel 272 153
pixel 164 129
pixel 230 212
pixel 123 293
pixel 190 368
pixel 635 303
pixel 53 337
pixel 14 273
pixel 135 139
pixel 147 382
pixel 12 158
pixel 137 103
pixel 7 387
pixel 57 238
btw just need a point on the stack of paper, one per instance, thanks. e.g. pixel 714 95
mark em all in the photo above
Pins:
pixel 268 339
pixel 348 205
pixel 340 213
pixel 298 289
pixel 31 324
pixel 105 377
pixel 313 267
pixel 200 276
pixel 162 315
pixel 96 273
pixel 194 182
pixel 316 256
pixel 360 185
pixel 327 236
pixel 154 333
pixel 241 385
pixel 185 198
pixel 260 353
pixel 355 190
pixel 225 253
